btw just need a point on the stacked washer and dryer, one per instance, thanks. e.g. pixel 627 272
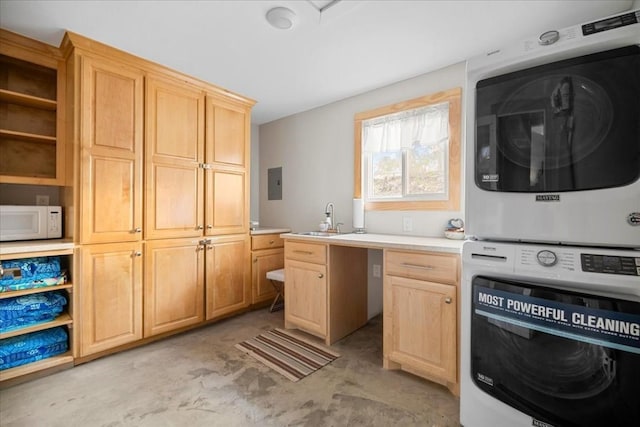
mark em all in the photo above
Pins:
pixel 551 278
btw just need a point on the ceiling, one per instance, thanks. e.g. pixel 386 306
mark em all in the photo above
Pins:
pixel 335 50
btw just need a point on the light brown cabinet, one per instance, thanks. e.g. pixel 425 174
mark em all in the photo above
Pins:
pixel 173 284
pixel 305 297
pixel 305 305
pixel 420 327
pixel 111 131
pixel 325 289
pixel 174 158
pixel 227 276
pixel 32 114
pixel 111 298
pixel 267 254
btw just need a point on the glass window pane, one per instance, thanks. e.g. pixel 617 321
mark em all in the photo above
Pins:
pixel 386 174
pixel 427 169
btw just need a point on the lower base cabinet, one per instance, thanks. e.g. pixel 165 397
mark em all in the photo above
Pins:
pixel 306 297
pixel 173 284
pixel 420 321
pixel 227 276
pixel 110 296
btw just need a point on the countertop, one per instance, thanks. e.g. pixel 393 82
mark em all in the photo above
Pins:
pixel 9 248
pixel 382 241
pixel 269 230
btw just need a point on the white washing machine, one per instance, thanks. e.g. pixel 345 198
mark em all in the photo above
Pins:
pixel 550 336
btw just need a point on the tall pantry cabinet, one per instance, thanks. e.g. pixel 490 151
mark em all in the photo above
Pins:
pixel 160 192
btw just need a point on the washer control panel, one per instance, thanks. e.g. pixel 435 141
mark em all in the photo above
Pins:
pixel 594 263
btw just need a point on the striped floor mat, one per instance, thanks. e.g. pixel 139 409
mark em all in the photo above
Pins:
pixel 290 355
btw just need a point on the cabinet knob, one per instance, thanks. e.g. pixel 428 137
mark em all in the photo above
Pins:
pixel 137 253
pixel 200 227
pixel 271 242
pixel 209 226
pixel 137 230
pixel 320 276
pixel 447 300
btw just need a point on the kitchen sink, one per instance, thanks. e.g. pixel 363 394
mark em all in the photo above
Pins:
pixel 317 233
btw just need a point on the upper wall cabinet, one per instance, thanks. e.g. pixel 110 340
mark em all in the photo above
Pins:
pixel 227 132
pixel 227 160
pixel 174 158
pixel 32 89
pixel 111 118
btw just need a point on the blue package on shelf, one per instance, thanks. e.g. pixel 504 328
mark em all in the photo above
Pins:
pixel 27 348
pixel 25 310
pixel 30 273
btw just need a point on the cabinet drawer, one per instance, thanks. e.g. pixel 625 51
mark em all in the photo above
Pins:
pixel 423 266
pixel 308 252
pixel 266 241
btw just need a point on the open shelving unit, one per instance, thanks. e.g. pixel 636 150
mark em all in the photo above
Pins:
pixel 31 90
pixel 65 360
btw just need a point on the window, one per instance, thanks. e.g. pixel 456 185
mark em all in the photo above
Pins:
pixel 407 155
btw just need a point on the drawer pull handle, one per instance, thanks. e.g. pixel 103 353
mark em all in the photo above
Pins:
pixel 421 267
pixel 320 276
pixel 271 242
pixel 303 252
pixel 447 300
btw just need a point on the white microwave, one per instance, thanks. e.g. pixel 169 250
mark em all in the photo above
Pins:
pixel 30 222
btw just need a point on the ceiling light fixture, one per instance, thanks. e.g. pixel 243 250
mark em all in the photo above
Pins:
pixel 281 18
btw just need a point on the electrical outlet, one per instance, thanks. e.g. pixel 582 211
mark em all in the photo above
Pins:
pixel 42 200
pixel 377 271
pixel 407 224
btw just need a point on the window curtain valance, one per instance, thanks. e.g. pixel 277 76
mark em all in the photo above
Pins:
pixel 421 127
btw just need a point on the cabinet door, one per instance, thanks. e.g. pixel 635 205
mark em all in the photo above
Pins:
pixel 174 153
pixel 263 262
pixel 226 202
pixel 305 297
pixel 110 296
pixel 420 325
pixel 111 118
pixel 227 277
pixel 228 127
pixel 173 285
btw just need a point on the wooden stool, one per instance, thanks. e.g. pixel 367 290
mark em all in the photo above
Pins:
pixel 277 280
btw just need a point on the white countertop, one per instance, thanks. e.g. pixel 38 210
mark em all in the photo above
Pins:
pixel 382 241
pixel 269 230
pixel 8 248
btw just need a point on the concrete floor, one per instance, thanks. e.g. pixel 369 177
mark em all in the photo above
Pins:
pixel 200 379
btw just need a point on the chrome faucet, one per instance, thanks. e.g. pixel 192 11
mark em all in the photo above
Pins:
pixel 328 211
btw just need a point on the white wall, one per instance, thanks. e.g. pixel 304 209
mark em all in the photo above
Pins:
pixel 315 150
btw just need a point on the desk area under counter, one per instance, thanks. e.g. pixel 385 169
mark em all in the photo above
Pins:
pixel 267 254
pixel 326 287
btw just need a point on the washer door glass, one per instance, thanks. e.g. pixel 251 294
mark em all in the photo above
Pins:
pixel 564 358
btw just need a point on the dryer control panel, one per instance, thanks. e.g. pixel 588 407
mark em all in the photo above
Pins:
pixel 595 263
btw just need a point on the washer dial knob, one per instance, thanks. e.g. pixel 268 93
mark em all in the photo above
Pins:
pixel 547 258
pixel 548 37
